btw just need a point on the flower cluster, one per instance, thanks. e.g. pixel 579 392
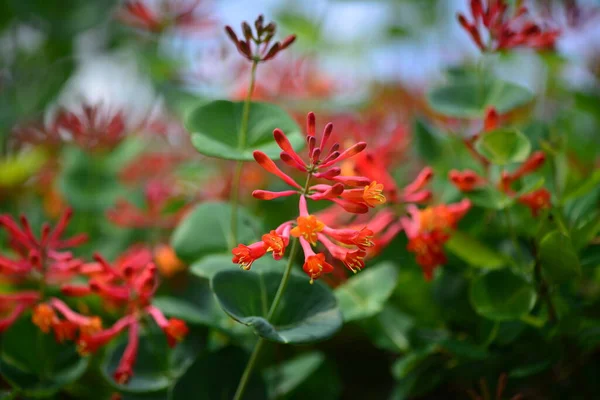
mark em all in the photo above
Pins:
pixel 42 261
pixel 505 31
pixel 346 245
pixel 428 229
pixel 261 38
pixel 129 285
pixel 155 17
pixel 45 261
pixel 469 180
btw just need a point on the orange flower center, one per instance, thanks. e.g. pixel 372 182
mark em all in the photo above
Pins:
pixel 242 256
pixel 373 194
pixel 43 317
pixel 314 266
pixel 274 242
pixel 308 227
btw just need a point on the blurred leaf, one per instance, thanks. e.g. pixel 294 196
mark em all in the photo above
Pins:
pixel 305 28
pixel 157 367
pixel 559 260
pixel 88 181
pixel 303 377
pixel 192 303
pixel 469 99
pixel 428 146
pixel 215 376
pixel 489 198
pixel 503 146
pixel 474 252
pixel 307 313
pixel 365 294
pixel 215 129
pixel 35 363
pixel 389 329
pixel 205 230
pixel 529 369
pixel 501 295
pixel 464 349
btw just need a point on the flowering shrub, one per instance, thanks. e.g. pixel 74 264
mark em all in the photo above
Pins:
pixel 210 238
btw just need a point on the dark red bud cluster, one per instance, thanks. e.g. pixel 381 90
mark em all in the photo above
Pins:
pixel 261 37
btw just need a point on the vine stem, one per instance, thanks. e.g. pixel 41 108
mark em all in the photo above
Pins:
pixel 235 187
pixel 543 288
pixel 278 296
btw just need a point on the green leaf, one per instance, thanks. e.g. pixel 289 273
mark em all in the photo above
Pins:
pixel 205 230
pixel 474 252
pixel 501 295
pixel 470 99
pixel 208 266
pixel 390 329
pixel 157 366
pixel 288 376
pixel 88 181
pixel 194 302
pixel 35 363
pixel 307 313
pixel 558 258
pixel 504 146
pixel 490 198
pixel 426 141
pixel 365 294
pixel 215 129
pixel 216 376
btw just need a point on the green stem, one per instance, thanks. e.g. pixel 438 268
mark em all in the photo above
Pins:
pixel 278 296
pixel 259 344
pixel 235 188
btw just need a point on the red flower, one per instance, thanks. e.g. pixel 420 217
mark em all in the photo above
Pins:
pixel 536 200
pixel 505 31
pixel 175 329
pixel 465 181
pixel 320 166
pixel 427 231
pixel 155 17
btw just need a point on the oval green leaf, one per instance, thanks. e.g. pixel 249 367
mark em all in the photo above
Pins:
pixel 474 252
pixel 501 295
pixel 307 313
pixel 205 230
pixel 35 363
pixel 559 260
pixel 365 294
pixel 470 99
pixel 504 146
pixel 215 129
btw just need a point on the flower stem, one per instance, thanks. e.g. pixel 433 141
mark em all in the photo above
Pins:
pixel 235 188
pixel 278 296
pixel 258 346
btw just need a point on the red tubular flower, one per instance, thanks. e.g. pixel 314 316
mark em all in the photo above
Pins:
pixel 320 166
pixel 11 318
pixel 465 181
pixel 155 16
pixel 314 264
pixel 175 329
pixel 91 127
pixel 88 344
pixel 505 31
pixel 48 247
pixel 427 231
pixel 246 255
pixel 124 370
pixel 536 201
